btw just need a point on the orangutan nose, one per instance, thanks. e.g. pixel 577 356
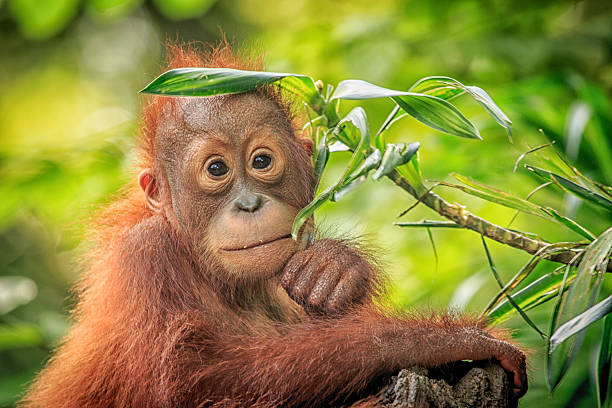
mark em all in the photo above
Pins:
pixel 249 202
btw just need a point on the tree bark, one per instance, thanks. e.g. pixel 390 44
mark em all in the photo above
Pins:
pixel 461 385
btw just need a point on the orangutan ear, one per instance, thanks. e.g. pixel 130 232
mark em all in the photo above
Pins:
pixel 148 184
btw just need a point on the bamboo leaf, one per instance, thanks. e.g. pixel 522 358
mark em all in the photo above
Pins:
pixel 580 322
pixel 509 298
pixel 338 146
pixel 358 176
pixel 571 224
pixel 536 293
pixel 448 88
pixel 438 114
pixel 580 297
pixel 307 211
pixel 395 155
pixel 571 187
pixel 219 81
pixel 496 196
pixel 439 86
pixel 434 112
pixel 413 174
pixel 526 270
pixel 357 118
pixel 507 200
pixel 347 188
pixel 523 155
pixel 321 155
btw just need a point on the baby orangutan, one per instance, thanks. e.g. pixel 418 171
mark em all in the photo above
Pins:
pixel 196 295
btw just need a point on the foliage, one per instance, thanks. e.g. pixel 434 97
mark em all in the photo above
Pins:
pixel 575 309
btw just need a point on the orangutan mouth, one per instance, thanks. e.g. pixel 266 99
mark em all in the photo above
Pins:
pixel 257 244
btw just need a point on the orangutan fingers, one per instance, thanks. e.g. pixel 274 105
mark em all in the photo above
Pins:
pixel 514 362
pixel 293 269
pixel 350 289
pixel 326 282
pixel 307 278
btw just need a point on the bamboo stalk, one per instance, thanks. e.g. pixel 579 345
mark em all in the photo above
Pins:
pixel 461 216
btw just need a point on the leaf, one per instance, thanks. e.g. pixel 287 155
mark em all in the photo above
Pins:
pixel 580 322
pixel 571 187
pixel 338 146
pixel 535 190
pixel 439 86
pixel 358 118
pixel 536 293
pixel 413 174
pixel 581 296
pixel 307 211
pixel 438 114
pixel 523 155
pixel 506 294
pixel 496 196
pixel 434 112
pixel 358 176
pixel 571 224
pixel 507 200
pixel 428 224
pixel 379 140
pixel 526 270
pixel 347 188
pixel 219 81
pixel 492 109
pixel 433 247
pixel 448 88
pixel 603 376
pixel 395 155
pixel 321 155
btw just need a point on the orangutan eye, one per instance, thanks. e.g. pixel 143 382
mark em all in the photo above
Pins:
pixel 261 162
pixel 217 169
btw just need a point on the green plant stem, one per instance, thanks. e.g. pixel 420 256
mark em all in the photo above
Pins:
pixel 461 216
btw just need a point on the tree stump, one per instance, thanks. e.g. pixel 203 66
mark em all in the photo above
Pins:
pixel 459 385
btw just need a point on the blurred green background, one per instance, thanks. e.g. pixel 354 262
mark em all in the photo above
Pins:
pixel 69 75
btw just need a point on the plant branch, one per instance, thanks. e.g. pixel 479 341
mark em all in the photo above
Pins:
pixel 465 219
